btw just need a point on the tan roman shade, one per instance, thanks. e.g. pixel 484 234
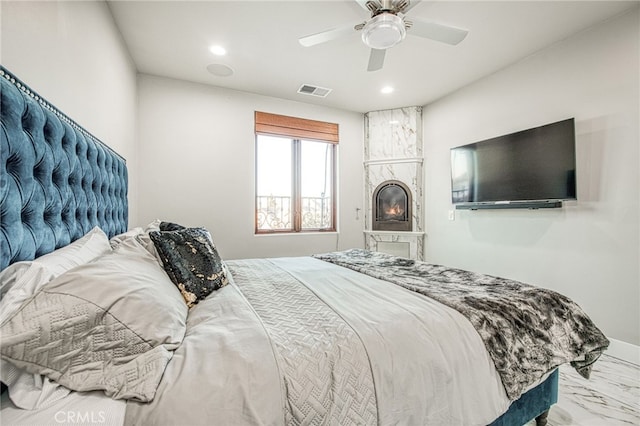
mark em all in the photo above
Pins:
pixel 293 127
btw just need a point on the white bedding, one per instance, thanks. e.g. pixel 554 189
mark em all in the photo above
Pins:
pixel 77 408
pixel 428 363
pixel 431 365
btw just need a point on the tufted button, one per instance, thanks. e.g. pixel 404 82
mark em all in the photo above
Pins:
pixel 27 215
pixel 56 176
pixel 42 171
pixel 51 214
pixel 13 165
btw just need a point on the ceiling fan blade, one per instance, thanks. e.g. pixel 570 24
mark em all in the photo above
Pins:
pixel 376 59
pixel 438 32
pixel 324 36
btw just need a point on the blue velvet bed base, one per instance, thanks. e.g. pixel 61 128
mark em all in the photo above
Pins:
pixel 57 181
pixel 532 404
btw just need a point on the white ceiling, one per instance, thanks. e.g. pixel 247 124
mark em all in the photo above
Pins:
pixel 172 39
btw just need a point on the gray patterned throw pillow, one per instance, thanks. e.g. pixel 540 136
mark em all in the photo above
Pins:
pixel 192 262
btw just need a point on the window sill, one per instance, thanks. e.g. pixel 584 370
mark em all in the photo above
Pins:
pixel 282 234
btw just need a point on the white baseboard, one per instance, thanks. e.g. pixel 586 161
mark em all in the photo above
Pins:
pixel 624 351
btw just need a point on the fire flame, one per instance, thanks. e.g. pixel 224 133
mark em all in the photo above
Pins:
pixel 394 210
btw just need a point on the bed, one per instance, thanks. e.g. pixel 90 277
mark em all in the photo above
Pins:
pixel 105 324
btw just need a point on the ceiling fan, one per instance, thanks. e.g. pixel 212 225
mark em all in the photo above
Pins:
pixel 386 28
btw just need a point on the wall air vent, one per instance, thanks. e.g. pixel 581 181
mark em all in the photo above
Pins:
pixel 307 89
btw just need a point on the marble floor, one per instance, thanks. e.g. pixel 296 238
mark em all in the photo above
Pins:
pixel 610 397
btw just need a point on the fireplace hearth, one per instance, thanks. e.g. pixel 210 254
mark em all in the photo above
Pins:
pixel 392 207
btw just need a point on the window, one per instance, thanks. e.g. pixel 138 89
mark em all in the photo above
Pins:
pixel 295 174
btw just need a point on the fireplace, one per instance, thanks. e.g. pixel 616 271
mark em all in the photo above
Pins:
pixel 394 182
pixel 392 207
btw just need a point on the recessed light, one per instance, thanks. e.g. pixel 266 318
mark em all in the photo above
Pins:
pixel 218 50
pixel 386 89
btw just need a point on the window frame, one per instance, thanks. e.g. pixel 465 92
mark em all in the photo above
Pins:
pixel 301 130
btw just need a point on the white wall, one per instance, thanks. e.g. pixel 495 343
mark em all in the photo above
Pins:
pixel 72 54
pixel 197 166
pixel 588 250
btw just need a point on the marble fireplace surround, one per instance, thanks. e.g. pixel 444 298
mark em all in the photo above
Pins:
pixel 393 151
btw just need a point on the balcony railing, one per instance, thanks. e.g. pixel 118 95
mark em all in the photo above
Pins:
pixel 275 213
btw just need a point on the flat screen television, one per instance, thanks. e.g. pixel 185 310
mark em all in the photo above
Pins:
pixel 533 168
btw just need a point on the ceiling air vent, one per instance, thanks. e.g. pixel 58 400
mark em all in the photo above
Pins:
pixel 307 89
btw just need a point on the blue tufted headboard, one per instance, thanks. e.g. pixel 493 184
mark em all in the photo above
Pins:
pixel 57 181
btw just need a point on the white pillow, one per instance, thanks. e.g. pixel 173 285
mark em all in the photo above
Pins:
pixel 107 343
pixel 154 225
pixel 79 252
pixel 115 241
pixel 18 283
pixel 141 235
pixel 30 391
pixel 21 280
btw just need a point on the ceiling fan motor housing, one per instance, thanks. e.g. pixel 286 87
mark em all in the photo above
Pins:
pixel 383 31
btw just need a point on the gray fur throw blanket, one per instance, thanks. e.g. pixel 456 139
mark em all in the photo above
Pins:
pixel 528 331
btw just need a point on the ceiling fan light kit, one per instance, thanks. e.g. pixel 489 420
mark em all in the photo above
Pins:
pixel 384 31
pixel 386 28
